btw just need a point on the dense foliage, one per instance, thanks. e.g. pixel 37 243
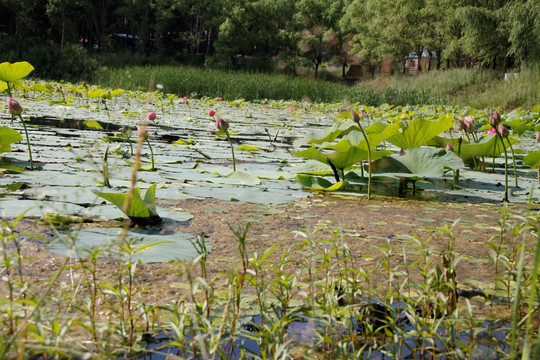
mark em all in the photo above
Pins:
pixel 269 34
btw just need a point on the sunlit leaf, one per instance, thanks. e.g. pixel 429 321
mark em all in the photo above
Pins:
pixel 13 72
pixel 419 161
pixel 420 131
pixel 7 137
pixel 533 159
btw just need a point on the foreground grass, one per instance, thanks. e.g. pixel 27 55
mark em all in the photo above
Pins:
pixel 353 308
pixel 477 88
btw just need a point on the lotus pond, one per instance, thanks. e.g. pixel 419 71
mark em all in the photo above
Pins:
pixel 327 213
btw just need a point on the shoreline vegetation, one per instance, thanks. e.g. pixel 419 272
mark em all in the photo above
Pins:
pixel 477 88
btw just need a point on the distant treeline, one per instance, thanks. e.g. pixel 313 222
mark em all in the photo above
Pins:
pixel 270 35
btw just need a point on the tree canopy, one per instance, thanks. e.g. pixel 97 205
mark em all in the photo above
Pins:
pixel 488 33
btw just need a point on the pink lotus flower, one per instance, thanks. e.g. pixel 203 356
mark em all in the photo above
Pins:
pixel 152 116
pixel 491 131
pixel 538 136
pixel 291 108
pixel 221 124
pixel 211 112
pixel 220 98
pixel 14 107
pixel 449 148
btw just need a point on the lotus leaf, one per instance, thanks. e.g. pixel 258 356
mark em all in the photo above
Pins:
pixel 7 137
pixel 533 159
pixel 419 162
pixel 420 131
pixel 149 246
pixel 11 73
pixel 488 146
pixel 139 208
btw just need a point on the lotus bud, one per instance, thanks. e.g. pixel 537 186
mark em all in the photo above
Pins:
pixel 355 116
pixel 503 131
pixel 401 152
pixel 461 124
pixel 494 119
pixel 152 116
pixel 449 148
pixel 538 136
pixel 141 130
pixel 211 112
pixel 222 125
pixel 491 131
pixel 14 107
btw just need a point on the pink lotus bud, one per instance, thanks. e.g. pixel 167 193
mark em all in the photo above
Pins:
pixel 152 116
pixel 220 98
pixel 503 131
pixel 14 107
pixel 355 116
pixel 211 112
pixel 538 136
pixel 141 130
pixel 494 119
pixel 491 131
pixel 449 148
pixel 401 152
pixel 222 125
pixel 291 108
pixel 461 125
pixel 373 111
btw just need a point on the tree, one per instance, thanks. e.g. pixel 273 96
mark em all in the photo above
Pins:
pixel 319 33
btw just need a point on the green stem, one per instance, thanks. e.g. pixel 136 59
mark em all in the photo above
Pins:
pixel 513 161
pixel 27 142
pixel 151 155
pixel 505 199
pixel 232 150
pixel 369 160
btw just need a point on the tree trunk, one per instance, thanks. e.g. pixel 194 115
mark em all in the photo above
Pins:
pixel 343 72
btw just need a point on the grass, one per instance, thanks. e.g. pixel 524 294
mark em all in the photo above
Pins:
pixel 477 88
pixel 404 302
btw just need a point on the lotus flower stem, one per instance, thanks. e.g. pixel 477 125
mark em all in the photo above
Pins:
pixel 369 161
pixel 505 199
pixel 232 149
pixel 151 155
pixel 27 142
pixel 513 161
pixel 334 169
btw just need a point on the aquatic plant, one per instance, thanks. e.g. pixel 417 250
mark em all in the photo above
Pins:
pixel 11 74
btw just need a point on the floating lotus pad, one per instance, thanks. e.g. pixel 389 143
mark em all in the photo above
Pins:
pixel 168 247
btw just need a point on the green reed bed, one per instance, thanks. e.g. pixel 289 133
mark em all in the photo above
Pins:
pixel 231 85
pixel 478 88
pixel 405 302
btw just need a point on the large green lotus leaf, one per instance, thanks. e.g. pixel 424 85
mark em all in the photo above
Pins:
pixel 375 133
pixel 7 137
pixel 420 162
pixel 139 207
pixel 420 131
pixel 532 159
pixel 11 73
pixel 312 153
pixel 489 146
pixel 339 129
pixel 150 246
